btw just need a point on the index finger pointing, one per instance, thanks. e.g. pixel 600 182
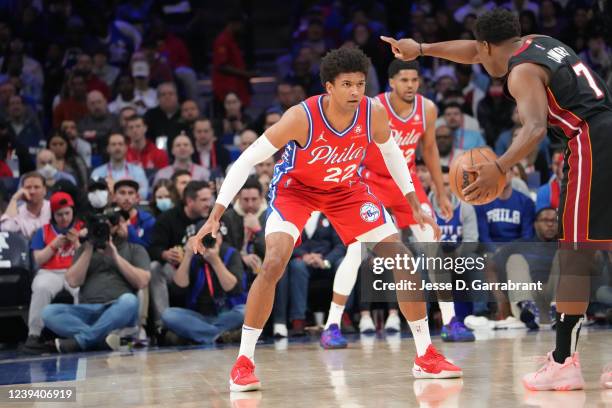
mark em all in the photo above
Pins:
pixel 389 40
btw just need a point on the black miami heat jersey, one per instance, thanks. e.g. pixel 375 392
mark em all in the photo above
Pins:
pixel 573 86
pixel 580 113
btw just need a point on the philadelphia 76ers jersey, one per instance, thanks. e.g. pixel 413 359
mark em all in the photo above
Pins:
pixel 406 131
pixel 330 159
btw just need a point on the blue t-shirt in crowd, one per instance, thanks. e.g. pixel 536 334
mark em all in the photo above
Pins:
pixel 467 139
pixel 506 220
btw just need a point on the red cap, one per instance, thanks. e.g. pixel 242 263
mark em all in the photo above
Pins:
pixel 60 200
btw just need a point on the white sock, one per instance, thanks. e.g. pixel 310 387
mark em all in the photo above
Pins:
pixel 335 314
pixel 448 311
pixel 420 332
pixel 248 341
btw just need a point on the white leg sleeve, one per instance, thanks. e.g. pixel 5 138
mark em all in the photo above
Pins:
pixel 275 223
pixel 346 275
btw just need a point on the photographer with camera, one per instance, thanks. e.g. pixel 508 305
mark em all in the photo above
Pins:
pixel 215 305
pixel 141 222
pixel 53 247
pixel 171 231
pixel 108 270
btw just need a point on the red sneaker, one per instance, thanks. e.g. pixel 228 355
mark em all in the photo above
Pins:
pixel 242 377
pixel 434 365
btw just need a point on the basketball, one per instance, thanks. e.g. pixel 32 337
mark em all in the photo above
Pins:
pixel 460 179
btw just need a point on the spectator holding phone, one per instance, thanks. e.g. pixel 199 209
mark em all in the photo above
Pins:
pixel 53 247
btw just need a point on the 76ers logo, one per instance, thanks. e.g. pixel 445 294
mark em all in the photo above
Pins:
pixel 369 212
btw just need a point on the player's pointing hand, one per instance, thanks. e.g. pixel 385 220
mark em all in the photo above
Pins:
pixel 210 227
pixel 405 49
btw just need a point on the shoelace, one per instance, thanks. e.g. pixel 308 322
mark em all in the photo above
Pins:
pixel 244 369
pixel 435 355
pixel 542 360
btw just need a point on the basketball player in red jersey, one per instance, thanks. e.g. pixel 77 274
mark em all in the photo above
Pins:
pixel 318 172
pixel 412 120
pixel 552 88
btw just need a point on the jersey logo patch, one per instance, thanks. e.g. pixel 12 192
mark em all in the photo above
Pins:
pixel 369 212
pixel 358 129
pixel 321 138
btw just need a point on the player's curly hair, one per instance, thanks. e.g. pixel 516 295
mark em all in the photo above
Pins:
pixel 342 61
pixel 496 26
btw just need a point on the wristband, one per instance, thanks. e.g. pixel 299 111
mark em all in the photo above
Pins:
pixel 499 167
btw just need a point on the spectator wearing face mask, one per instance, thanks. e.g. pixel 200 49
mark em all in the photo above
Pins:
pixel 98 195
pixel 27 210
pixel 141 222
pixel 46 165
pixel 164 197
pixel 53 247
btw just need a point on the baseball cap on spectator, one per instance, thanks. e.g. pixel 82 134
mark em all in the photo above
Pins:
pixel 60 200
pixel 126 182
pixel 140 69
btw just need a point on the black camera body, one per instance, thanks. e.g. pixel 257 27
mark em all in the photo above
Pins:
pixel 99 225
pixel 208 241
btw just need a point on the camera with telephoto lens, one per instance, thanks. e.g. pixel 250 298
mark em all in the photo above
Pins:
pixel 99 225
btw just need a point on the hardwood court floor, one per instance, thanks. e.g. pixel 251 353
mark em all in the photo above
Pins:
pixel 372 372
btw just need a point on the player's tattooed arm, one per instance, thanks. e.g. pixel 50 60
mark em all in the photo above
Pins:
pixel 460 51
pixel 527 84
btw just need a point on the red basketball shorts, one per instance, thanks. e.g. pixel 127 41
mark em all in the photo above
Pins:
pixel 352 211
pixel 392 198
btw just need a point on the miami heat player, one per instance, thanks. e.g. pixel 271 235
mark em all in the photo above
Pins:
pixel 318 172
pixel 412 120
pixel 552 87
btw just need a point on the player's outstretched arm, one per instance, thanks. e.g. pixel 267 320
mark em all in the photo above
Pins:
pixel 460 51
pixel 527 84
pixel 396 164
pixel 292 126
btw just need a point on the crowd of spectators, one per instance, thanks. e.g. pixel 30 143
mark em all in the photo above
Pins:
pixel 101 109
